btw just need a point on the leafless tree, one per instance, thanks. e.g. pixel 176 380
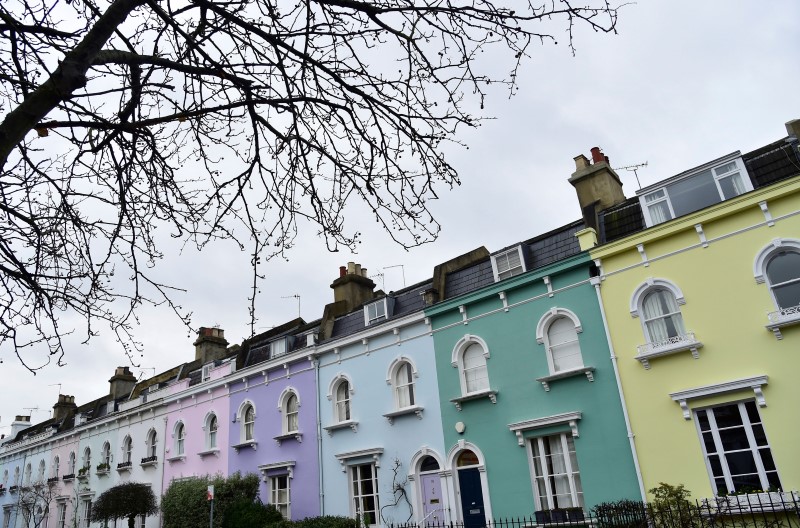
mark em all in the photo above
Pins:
pixel 234 119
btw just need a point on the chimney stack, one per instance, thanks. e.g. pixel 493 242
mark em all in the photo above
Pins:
pixel 121 383
pixel 597 185
pixel 64 407
pixel 210 344
pixel 353 286
pixel 20 423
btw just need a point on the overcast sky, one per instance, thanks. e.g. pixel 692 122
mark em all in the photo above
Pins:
pixel 682 83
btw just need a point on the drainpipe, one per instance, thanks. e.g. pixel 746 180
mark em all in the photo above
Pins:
pixel 320 465
pixel 595 281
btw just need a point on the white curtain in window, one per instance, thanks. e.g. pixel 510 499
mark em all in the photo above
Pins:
pixel 404 386
pixel 565 350
pixel 659 212
pixel 475 376
pixel 291 414
pixel 662 316
pixel 343 401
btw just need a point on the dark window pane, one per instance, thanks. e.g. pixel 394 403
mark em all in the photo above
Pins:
pixel 766 459
pixel 693 193
pixel 722 488
pixel 702 419
pixel 727 416
pixel 758 432
pixel 716 467
pixel 746 482
pixel 774 481
pixel 741 463
pixel 429 464
pixel 787 295
pixel 708 440
pixel 752 412
pixel 783 267
pixel 733 439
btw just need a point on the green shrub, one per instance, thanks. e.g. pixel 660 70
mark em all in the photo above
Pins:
pixel 244 513
pixel 326 521
pixel 671 507
pixel 184 504
pixel 621 514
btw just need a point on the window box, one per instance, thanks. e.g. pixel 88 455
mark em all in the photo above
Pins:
pixel 2 491
pixel 69 477
pixel 561 516
pixel 52 480
pixel 783 317
pixel 767 501
pixel 672 345
pixel 546 380
pixel 13 489
pixel 124 466
pixel 414 409
pixel 208 452
pixel 252 444
pixel 296 435
pixel 341 425
pixel 488 393
pixel 101 472
pixel 149 461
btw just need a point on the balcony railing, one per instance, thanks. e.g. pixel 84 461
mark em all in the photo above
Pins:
pixel 124 466
pixel 668 346
pixel 783 317
pixel 149 461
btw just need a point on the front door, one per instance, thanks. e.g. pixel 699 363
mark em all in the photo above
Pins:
pixel 432 501
pixel 469 485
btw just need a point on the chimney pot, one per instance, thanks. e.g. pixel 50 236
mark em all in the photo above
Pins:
pixel 351 268
pixel 597 156
pixel 342 271
pixel 581 162
pixel 364 272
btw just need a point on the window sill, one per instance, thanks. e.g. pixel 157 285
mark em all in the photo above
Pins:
pixel 177 458
pixel 673 345
pixel 68 478
pixel 546 380
pixel 782 318
pixel 296 435
pixel 208 452
pixel 341 425
pixel 83 478
pixel 772 501
pixel 149 462
pixel 252 444
pixel 52 480
pixel 414 409
pixel 102 472
pixel 124 466
pixel 488 393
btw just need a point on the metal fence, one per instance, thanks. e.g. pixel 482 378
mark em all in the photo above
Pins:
pixel 762 510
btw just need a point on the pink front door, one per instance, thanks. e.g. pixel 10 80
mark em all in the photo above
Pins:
pixel 432 500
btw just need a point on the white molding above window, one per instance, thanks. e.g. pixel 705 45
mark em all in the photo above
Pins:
pixel 463 343
pixel 777 244
pixel 335 384
pixel 393 366
pixel 550 316
pixel 569 418
pixel 755 383
pixel 646 286
pixel 356 457
pixel 287 466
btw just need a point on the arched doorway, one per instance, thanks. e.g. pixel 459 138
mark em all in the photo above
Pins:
pixel 430 482
pixel 473 510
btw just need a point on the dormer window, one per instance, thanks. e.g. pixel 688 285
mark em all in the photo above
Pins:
pixel 508 263
pixel 707 185
pixel 206 373
pixel 279 347
pixel 378 311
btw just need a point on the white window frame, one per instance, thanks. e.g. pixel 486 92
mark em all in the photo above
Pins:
pixel 392 379
pixel 246 426
pixel 502 269
pixel 61 514
pixel 6 516
pixel 127 449
pixel 720 452
pixel 543 338
pixel 179 437
pixel 105 454
pixel 86 507
pixel 86 461
pixel 377 311
pixel 283 408
pixel 26 479
pixel 54 469
pixel 205 373
pixel 576 496
pixel 211 436
pixel 333 397
pixel 284 507
pixel 278 347
pixel 457 361
pixel 72 461
pixel 782 316
pixel 41 472
pixel 736 158
pixel 152 443
pixel 357 497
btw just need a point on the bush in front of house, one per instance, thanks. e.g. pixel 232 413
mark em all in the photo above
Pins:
pixel 325 521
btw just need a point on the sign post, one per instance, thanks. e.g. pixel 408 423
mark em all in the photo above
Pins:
pixel 210 497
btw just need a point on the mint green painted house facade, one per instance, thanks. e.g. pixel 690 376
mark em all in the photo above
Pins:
pixel 530 403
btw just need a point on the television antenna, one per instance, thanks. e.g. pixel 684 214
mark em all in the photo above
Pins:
pixel 295 296
pixel 402 268
pixel 633 168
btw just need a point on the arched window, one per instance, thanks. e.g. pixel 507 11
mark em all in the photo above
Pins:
pixel 152 444
pixel 211 432
pixel 180 436
pixel 427 464
pixel 467 458
pixel 469 357
pixel 105 456
pixel 55 467
pixel 86 463
pixel 402 380
pixel 16 476
pixel 71 463
pixel 247 419
pixel 783 275
pixel 289 407
pixel 342 402
pixel 40 474
pixel 558 330
pixel 127 450
pixel 661 316
pixel 28 472
pixel 5 478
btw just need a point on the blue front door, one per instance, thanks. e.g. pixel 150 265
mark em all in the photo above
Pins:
pixel 469 484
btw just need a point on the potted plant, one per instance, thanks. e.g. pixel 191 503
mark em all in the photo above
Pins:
pixel 103 467
pixel 558 515
pixel 542 516
pixel 575 514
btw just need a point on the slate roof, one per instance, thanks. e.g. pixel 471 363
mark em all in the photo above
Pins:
pixel 774 162
pixel 406 301
pixel 621 220
pixel 538 252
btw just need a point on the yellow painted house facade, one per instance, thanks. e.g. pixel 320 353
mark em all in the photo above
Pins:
pixel 701 296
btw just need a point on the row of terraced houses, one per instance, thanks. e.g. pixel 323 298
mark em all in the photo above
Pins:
pixel 653 340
